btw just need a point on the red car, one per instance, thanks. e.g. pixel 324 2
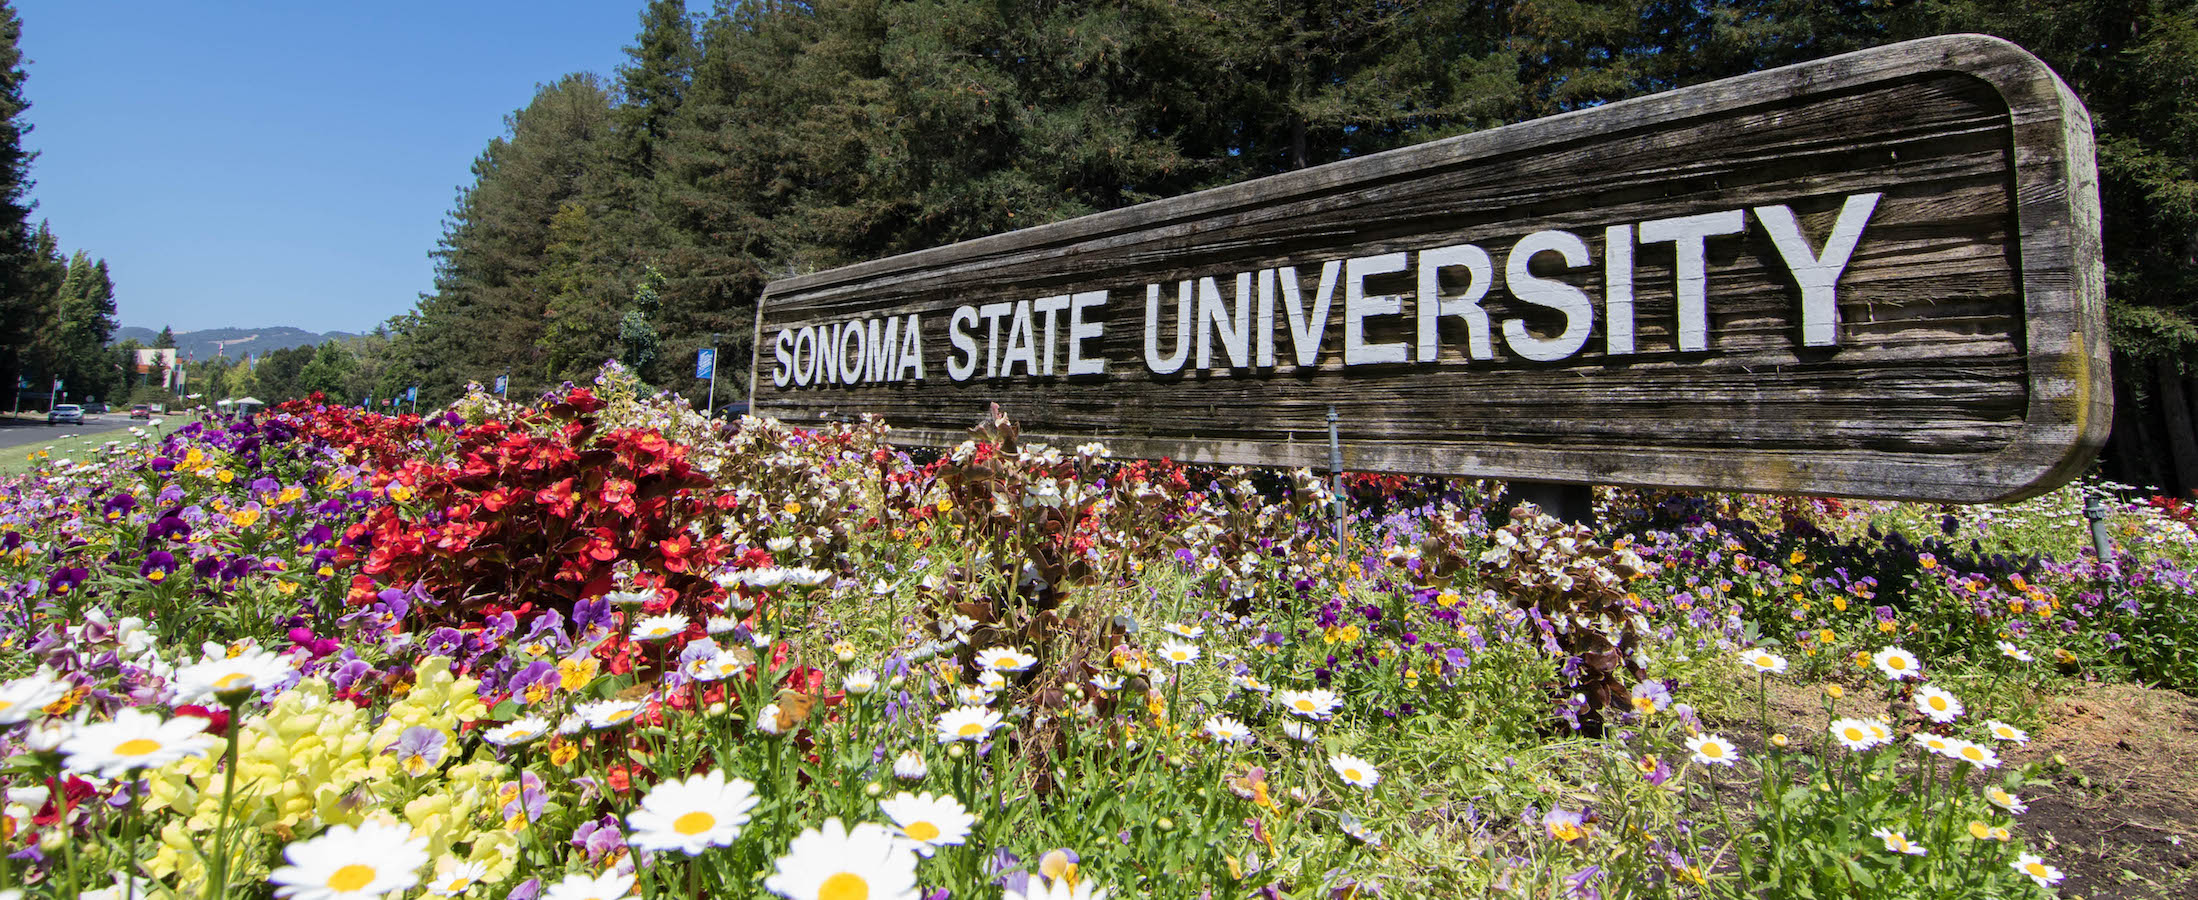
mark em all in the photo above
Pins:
pixel 141 411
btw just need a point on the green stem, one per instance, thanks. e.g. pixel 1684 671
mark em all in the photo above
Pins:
pixel 218 884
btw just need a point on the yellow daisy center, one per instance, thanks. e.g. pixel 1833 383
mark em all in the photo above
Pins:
pixel 351 878
pixel 230 680
pixel 2035 870
pixel 136 747
pixel 1353 775
pixel 1855 734
pixel 6 705
pixel 1180 655
pixel 1938 703
pixel 1896 662
pixel 1713 751
pixel 971 729
pixel 1974 753
pixel 922 831
pixel 1979 830
pixel 1305 704
pixel 621 715
pixel 844 886
pixel 694 823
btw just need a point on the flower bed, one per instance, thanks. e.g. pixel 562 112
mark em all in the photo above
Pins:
pixel 595 647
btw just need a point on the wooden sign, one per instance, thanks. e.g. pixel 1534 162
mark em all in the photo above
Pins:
pixel 1873 275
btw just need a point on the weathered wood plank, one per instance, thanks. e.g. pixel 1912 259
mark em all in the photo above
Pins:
pixel 1965 361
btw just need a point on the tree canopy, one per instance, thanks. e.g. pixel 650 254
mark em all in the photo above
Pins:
pixel 765 138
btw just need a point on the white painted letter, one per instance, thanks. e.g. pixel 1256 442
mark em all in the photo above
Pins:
pixel 992 313
pixel 1046 307
pixel 911 350
pixel 828 356
pixel 804 372
pixel 1432 305
pixel 1357 306
pixel 884 340
pixel 1688 234
pixel 1080 331
pixel 961 362
pixel 851 363
pixel 1618 290
pixel 1174 361
pixel 1578 309
pixel 1020 334
pixel 1235 331
pixel 1818 274
pixel 1264 326
pixel 1305 336
pixel 783 351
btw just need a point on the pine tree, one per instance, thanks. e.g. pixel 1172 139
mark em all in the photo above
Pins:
pixel 22 299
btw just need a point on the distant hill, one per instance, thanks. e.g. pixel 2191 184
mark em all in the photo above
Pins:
pixel 234 342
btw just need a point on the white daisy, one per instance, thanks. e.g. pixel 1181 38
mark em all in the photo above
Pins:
pixel 2005 732
pixel 1318 704
pixel 608 713
pixel 659 627
pixel 135 739
pixel 1764 662
pixel 859 682
pixel 2013 652
pixel 973 695
pixel 27 696
pixel 1005 659
pixel 1857 734
pixel 1943 746
pixel 1998 796
pixel 1107 681
pixel 346 863
pixel 1301 732
pixel 1711 750
pixel 1975 754
pixel 1178 652
pixel 909 766
pixel 2034 866
pixel 1897 664
pixel 1227 730
pixel 1896 842
pixel 1186 632
pixel 692 815
pixel 967 723
pixel 836 862
pixel 612 885
pixel 457 879
pixel 1354 771
pixel 251 670
pixel 1938 705
pixel 518 731
pixel 927 822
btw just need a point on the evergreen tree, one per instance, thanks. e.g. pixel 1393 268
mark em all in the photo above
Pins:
pixel 22 299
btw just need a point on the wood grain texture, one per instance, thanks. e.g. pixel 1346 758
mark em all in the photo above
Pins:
pixel 1971 362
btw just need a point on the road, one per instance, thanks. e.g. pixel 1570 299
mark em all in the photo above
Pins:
pixel 32 432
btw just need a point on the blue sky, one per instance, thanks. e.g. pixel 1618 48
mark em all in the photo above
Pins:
pixel 281 163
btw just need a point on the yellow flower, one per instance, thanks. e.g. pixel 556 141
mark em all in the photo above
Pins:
pixel 400 493
pixel 1797 558
pixel 793 507
pixel 574 674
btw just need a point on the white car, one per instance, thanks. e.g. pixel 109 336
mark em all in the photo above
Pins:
pixel 66 412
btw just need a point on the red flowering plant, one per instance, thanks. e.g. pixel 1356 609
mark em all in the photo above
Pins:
pixel 541 512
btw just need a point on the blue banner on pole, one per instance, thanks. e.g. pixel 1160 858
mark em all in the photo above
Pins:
pixel 706 363
pixel 502 381
pixel 412 393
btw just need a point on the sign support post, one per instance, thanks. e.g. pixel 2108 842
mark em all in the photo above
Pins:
pixel 706 367
pixel 1335 477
